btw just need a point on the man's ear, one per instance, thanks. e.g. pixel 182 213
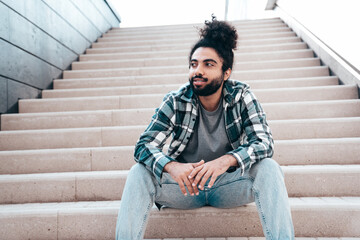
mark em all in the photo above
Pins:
pixel 227 74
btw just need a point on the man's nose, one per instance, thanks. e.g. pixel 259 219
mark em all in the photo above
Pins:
pixel 199 71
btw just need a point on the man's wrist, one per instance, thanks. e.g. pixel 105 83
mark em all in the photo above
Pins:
pixel 232 160
pixel 168 166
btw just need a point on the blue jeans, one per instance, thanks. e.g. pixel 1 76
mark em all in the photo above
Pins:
pixel 262 184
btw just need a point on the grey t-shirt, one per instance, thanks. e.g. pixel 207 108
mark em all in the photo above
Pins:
pixel 209 140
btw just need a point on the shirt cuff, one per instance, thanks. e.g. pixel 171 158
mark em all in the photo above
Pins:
pixel 159 168
pixel 240 161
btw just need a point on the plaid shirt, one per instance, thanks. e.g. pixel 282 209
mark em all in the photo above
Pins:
pixel 246 128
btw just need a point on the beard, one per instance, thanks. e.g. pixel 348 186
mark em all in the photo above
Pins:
pixel 208 89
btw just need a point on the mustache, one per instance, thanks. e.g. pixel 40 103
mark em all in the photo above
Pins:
pixel 198 77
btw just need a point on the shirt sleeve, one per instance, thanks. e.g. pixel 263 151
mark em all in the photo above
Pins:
pixel 256 141
pixel 148 149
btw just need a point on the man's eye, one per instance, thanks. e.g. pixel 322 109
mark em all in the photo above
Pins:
pixel 193 64
pixel 209 64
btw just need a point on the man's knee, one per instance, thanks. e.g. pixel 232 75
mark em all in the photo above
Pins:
pixel 268 168
pixel 138 167
pixel 139 171
pixel 140 179
pixel 270 164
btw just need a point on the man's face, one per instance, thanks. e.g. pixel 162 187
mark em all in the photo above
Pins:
pixel 206 75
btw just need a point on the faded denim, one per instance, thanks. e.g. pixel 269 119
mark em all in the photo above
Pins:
pixel 262 184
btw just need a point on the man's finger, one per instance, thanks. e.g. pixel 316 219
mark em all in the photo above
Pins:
pixel 199 176
pixel 189 186
pixel 195 171
pixel 197 167
pixel 204 180
pixel 182 188
pixel 212 180
pixel 196 190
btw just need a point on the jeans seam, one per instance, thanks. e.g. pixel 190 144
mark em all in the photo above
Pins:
pixel 145 217
pixel 257 199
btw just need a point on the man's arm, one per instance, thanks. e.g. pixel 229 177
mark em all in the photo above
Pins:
pixel 148 149
pixel 258 142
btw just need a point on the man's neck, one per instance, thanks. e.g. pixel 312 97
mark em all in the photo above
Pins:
pixel 210 103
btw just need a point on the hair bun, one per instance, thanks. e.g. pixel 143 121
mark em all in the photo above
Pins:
pixel 220 32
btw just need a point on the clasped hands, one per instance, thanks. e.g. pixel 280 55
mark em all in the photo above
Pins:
pixel 193 176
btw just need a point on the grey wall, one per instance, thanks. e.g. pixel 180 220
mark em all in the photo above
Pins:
pixel 40 38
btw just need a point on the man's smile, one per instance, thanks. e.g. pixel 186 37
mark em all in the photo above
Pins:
pixel 198 81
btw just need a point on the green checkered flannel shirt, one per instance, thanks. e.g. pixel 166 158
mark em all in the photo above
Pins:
pixel 245 120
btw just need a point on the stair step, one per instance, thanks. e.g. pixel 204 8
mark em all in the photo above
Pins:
pixel 179 33
pixel 184 43
pixel 316 217
pixel 329 151
pixel 114 101
pixel 69 138
pixel 179 79
pixel 186 27
pixel 183 68
pixel 102 118
pixel 315 128
pixel 136 88
pixel 186 32
pixel 244 75
pixel 183 38
pixel 124 32
pixel 176 60
pixel 163 89
pixel 156 52
pixel 307 93
pixel 68 160
pixel 62 187
pixel 301 181
pixel 115 136
pixel 281 73
pixel 242 23
pixel 182 50
pixel 269 53
pixel 244 34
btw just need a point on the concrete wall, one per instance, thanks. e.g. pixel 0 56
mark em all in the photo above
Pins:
pixel 40 38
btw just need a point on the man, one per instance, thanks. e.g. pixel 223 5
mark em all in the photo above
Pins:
pixel 220 152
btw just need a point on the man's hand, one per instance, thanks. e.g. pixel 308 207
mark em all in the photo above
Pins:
pixel 180 172
pixel 211 170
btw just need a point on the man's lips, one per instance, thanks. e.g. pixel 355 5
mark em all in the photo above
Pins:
pixel 198 82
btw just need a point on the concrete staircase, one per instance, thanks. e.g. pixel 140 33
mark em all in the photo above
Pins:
pixel 64 158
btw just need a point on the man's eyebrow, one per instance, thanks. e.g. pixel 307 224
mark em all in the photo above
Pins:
pixel 210 60
pixel 206 60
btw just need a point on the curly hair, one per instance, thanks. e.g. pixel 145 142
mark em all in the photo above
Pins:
pixel 220 36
